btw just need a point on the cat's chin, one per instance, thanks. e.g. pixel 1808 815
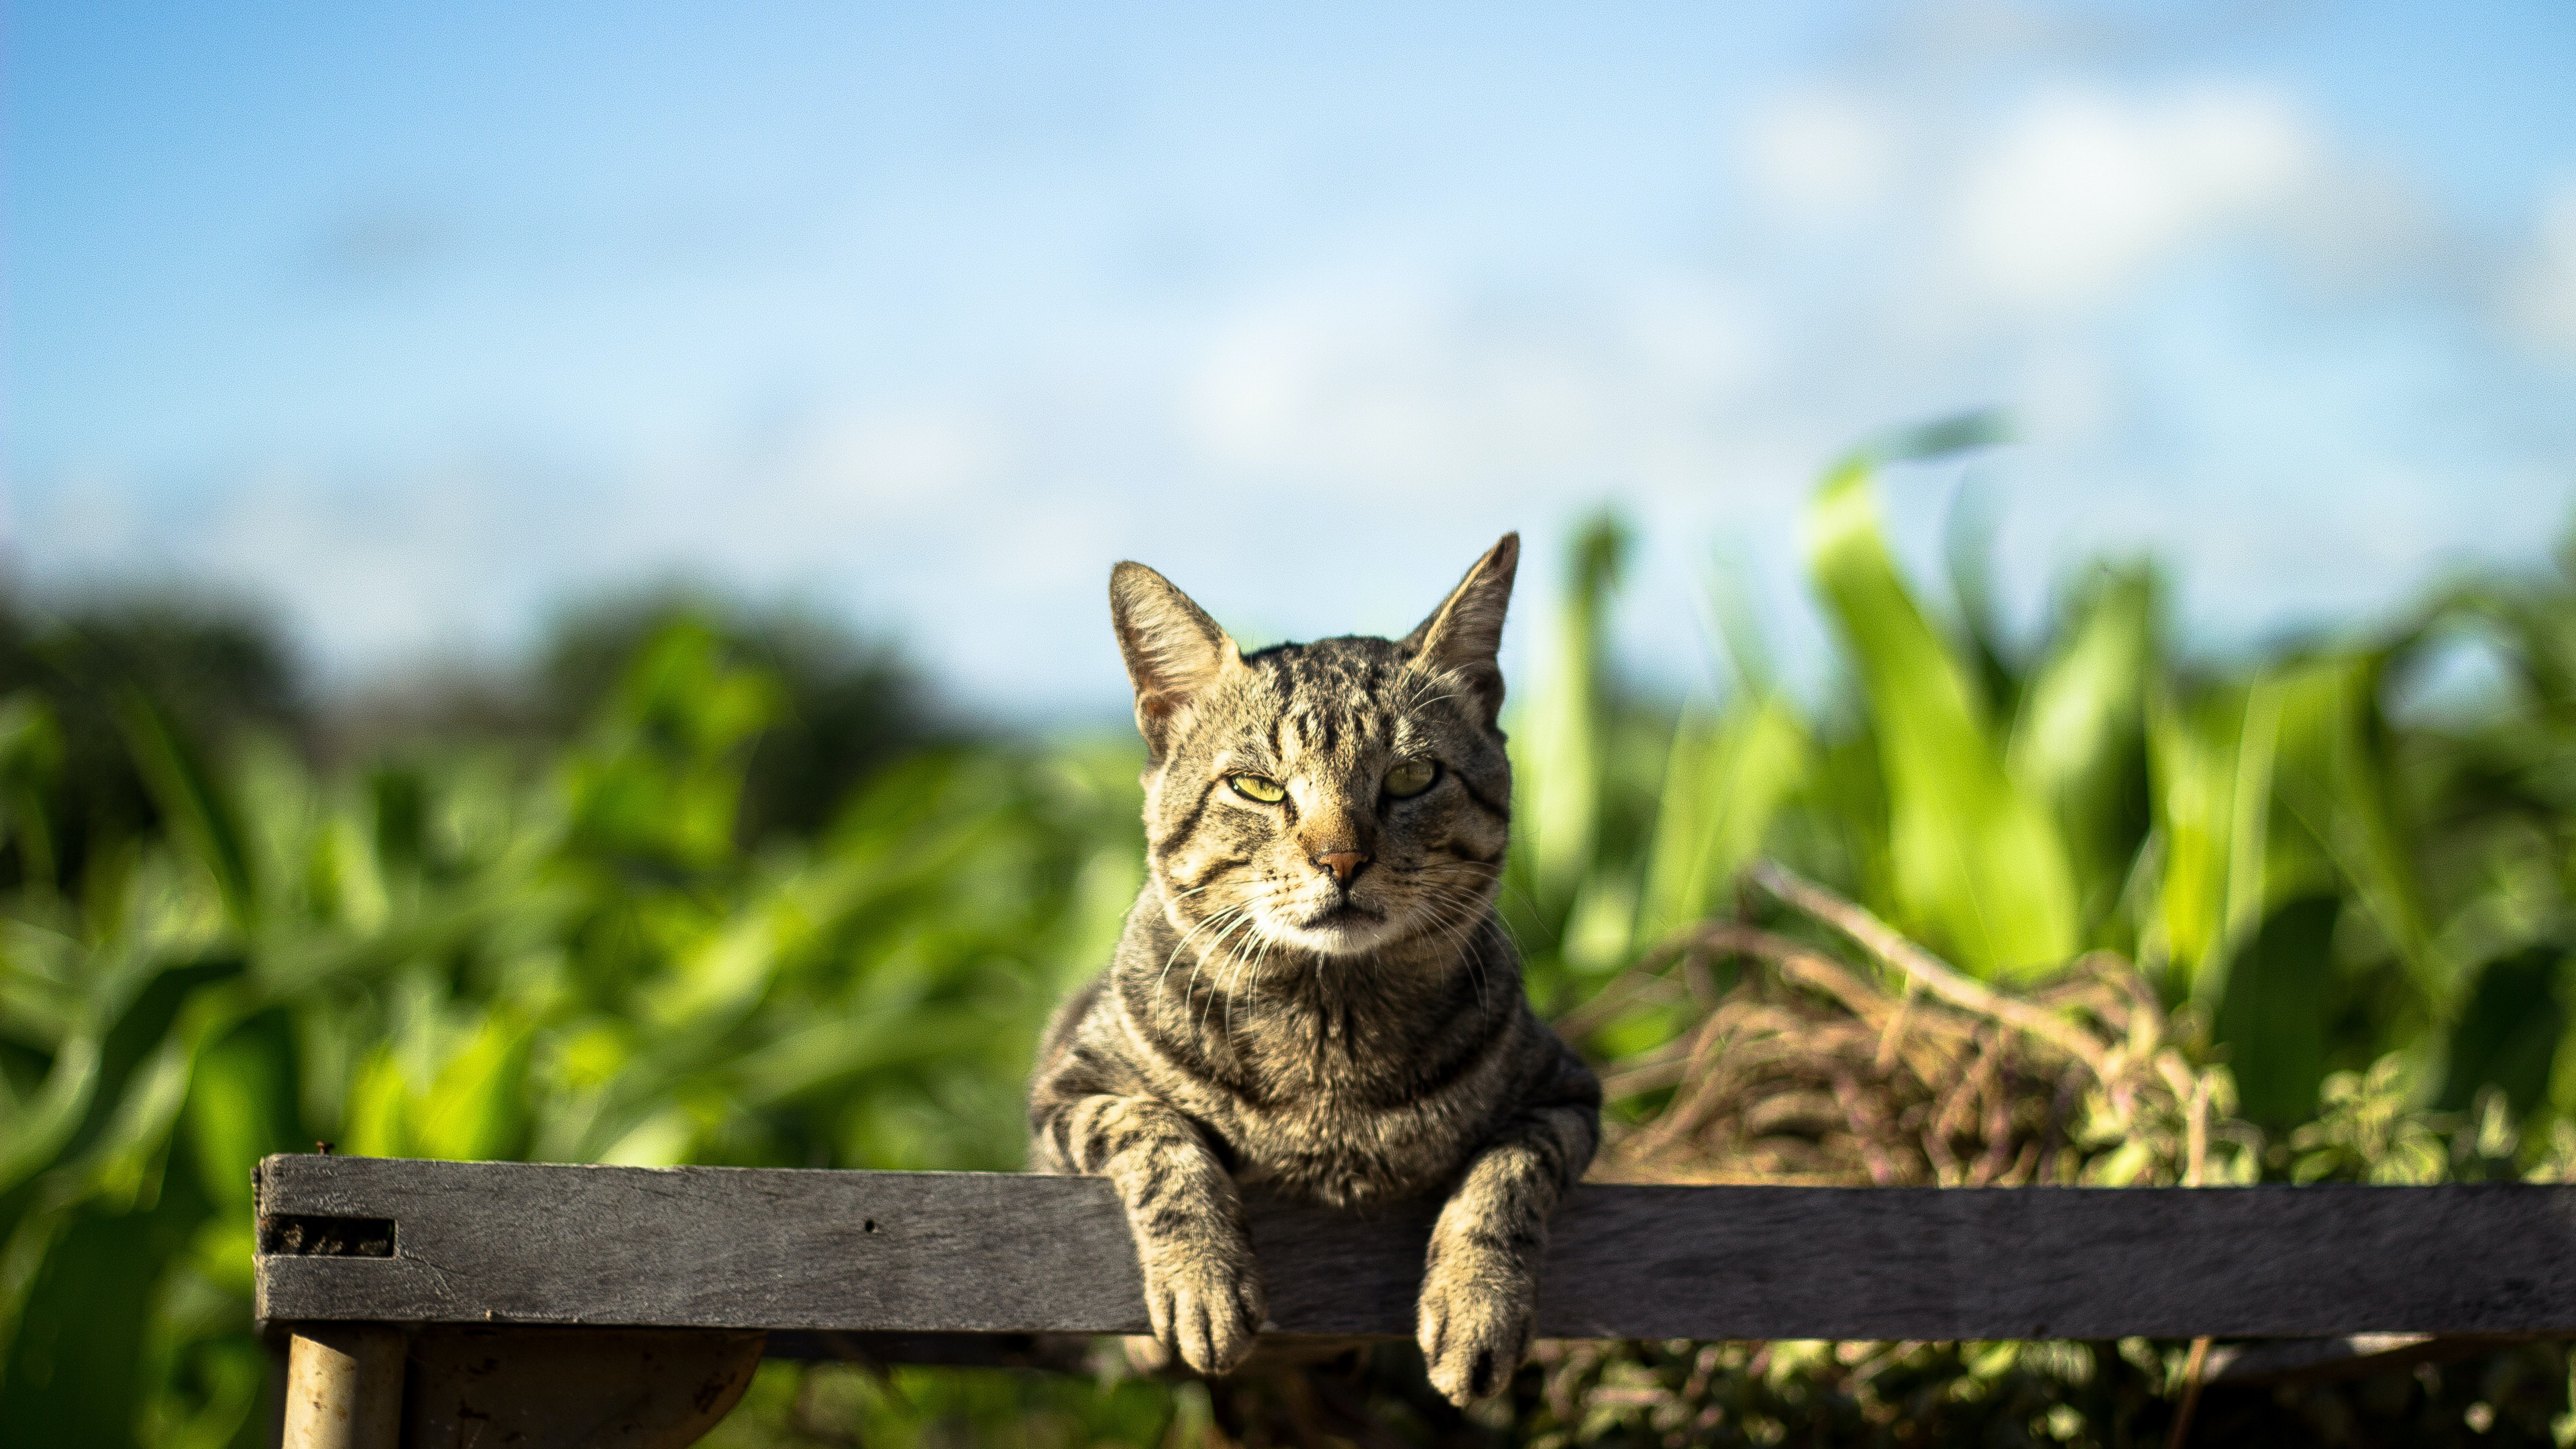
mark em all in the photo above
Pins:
pixel 1341 933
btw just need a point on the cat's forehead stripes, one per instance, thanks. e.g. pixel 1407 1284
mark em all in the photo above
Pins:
pixel 1338 701
pixel 1333 729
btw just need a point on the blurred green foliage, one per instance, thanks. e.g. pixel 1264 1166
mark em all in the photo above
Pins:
pixel 724 892
pixel 845 706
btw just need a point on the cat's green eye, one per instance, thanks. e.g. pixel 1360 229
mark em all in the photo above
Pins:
pixel 1411 778
pixel 1257 787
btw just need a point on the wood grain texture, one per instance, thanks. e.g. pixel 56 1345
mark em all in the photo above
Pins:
pixel 981 1253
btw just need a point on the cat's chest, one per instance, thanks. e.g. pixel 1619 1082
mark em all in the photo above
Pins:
pixel 1336 1106
pixel 1330 1148
pixel 1331 1134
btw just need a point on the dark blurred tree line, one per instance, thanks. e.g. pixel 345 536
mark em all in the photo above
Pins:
pixel 220 671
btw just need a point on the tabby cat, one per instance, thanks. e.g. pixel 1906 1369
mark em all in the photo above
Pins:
pixel 1313 997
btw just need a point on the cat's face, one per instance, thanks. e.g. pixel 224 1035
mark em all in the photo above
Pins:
pixel 1326 799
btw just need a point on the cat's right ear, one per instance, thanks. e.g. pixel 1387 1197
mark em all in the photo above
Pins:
pixel 1464 636
pixel 1172 648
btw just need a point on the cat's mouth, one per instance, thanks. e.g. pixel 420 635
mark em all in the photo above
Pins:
pixel 1342 928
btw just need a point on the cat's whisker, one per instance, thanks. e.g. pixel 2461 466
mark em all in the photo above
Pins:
pixel 1438 884
pixel 1452 919
pixel 1220 990
pixel 1245 916
pixel 1182 943
pixel 1232 981
pixel 1235 973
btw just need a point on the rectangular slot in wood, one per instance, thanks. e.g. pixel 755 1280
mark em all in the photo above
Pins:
pixel 308 1235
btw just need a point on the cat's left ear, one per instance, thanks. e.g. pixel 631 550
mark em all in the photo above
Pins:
pixel 1465 634
pixel 1172 648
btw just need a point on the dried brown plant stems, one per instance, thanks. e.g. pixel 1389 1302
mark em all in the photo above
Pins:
pixel 1876 1065
pixel 1899 1070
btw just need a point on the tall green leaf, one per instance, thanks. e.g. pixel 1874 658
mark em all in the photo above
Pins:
pixel 1725 785
pixel 2270 1017
pixel 194 799
pixel 2079 741
pixel 2210 756
pixel 2510 1030
pixel 476 1108
pixel 2334 777
pixel 31 759
pixel 1978 864
pixel 1560 741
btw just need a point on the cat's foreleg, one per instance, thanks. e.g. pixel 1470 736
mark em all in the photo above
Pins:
pixel 1203 1289
pixel 1480 1280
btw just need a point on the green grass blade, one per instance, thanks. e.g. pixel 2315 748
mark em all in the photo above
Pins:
pixel 1725 786
pixel 2079 740
pixel 194 799
pixel 1559 761
pixel 1979 869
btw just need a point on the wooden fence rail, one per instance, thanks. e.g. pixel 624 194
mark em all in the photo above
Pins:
pixel 378 1245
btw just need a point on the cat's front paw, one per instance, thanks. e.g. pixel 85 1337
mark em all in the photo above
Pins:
pixel 1206 1302
pixel 1477 1312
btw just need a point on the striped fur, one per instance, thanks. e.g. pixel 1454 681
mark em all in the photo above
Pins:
pixel 1313 997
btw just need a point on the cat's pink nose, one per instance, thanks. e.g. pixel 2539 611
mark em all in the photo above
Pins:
pixel 1344 864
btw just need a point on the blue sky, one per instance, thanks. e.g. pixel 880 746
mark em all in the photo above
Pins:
pixel 417 324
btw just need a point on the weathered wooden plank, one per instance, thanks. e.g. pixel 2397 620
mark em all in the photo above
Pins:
pixel 875 1252
pixel 705 1247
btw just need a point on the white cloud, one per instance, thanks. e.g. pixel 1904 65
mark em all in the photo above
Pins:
pixel 2085 190
pixel 437 566
pixel 1818 155
pixel 820 492
pixel 1383 383
pixel 912 456
pixel 895 512
pixel 1389 385
pixel 91 519
pixel 2540 298
pixel 2067 395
